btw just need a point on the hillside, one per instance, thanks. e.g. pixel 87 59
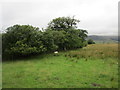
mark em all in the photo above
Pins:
pixel 104 39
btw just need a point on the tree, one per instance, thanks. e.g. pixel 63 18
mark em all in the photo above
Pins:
pixel 61 34
pixel 73 37
pixel 53 40
pixel 63 23
pixel 22 40
pixel 48 41
pixel 59 38
pixel 83 34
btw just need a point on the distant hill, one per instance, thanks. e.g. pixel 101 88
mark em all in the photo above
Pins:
pixel 104 39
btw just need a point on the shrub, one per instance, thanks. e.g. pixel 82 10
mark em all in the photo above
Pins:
pixel 90 41
pixel 22 40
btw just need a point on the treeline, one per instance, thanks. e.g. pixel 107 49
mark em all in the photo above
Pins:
pixel 25 40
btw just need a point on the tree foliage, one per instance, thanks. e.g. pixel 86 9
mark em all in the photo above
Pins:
pixel 22 40
pixel 74 38
pixel 63 23
pixel 25 40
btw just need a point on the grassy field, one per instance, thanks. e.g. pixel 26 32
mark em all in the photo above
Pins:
pixel 94 66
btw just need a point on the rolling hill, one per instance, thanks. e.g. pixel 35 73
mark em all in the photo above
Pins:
pixel 104 39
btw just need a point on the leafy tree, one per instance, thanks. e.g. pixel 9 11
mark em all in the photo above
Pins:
pixel 59 38
pixel 73 37
pixel 61 34
pixel 63 23
pixel 22 40
pixel 48 41
pixel 53 40
pixel 83 34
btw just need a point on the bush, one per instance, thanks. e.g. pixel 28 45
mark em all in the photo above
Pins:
pixel 90 41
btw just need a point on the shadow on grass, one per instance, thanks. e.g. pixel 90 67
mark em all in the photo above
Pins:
pixel 6 58
pixel 29 57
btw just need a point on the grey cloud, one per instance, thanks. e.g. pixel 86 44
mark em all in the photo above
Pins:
pixel 97 16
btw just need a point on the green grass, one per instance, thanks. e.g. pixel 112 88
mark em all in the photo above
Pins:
pixel 0 75
pixel 49 71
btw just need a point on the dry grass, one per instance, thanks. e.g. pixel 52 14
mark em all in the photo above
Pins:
pixel 96 51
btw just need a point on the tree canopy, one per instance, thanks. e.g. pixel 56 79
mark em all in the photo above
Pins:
pixel 22 40
pixel 61 34
pixel 63 23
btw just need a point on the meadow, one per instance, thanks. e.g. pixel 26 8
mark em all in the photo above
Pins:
pixel 94 66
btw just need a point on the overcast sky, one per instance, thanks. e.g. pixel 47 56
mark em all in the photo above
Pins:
pixel 98 17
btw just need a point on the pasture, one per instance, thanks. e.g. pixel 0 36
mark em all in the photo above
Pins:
pixel 94 66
